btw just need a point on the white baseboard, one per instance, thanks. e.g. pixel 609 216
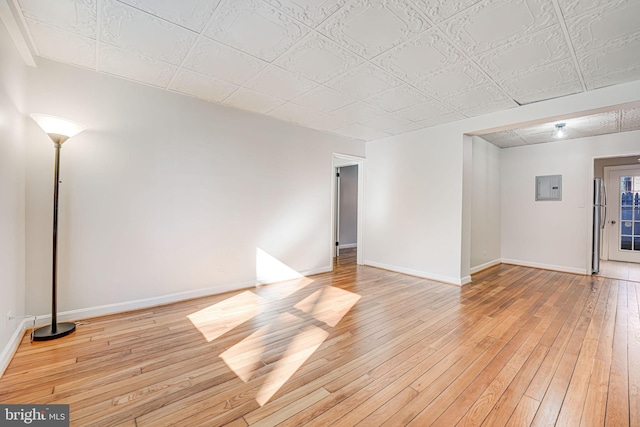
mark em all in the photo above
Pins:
pixel 545 266
pixel 104 310
pixel 484 266
pixel 12 346
pixel 348 246
pixel 418 273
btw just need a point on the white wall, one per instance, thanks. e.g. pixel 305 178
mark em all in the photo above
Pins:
pixel 485 205
pixel 416 201
pixel 12 166
pixel 414 205
pixel 554 234
pixel 166 194
pixel 348 206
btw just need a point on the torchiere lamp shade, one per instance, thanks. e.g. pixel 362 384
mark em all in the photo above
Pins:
pixel 59 130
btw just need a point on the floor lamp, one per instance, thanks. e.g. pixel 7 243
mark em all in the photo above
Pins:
pixel 59 130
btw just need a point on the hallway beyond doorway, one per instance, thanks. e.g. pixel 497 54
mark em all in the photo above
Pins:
pixel 620 270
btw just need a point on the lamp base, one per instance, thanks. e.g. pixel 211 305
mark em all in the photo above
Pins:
pixel 62 330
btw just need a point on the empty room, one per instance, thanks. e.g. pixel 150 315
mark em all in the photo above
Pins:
pixel 337 212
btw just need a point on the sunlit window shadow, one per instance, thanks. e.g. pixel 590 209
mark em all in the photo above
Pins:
pixel 260 357
pixel 329 304
pixel 218 319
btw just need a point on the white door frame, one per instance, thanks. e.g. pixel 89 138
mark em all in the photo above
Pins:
pixel 607 234
pixel 340 160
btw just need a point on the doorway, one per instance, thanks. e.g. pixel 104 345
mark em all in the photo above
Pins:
pixel 347 206
pixel 607 168
pixel 346 214
pixel 623 223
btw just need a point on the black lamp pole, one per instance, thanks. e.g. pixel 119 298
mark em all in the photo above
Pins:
pixel 55 330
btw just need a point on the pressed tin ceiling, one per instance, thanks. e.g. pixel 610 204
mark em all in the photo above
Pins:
pixel 364 69
pixel 621 120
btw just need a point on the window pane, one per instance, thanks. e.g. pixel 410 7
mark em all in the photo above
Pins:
pixel 625 243
pixel 626 213
pixel 636 228
pixel 625 227
pixel 636 243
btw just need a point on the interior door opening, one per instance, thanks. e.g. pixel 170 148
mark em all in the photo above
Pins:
pixel 347 211
pixel 347 206
pixel 619 256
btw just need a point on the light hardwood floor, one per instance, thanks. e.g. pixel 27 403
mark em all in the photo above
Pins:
pixel 620 270
pixel 359 346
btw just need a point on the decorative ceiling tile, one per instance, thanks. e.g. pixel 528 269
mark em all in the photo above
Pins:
pixel 280 83
pixel 551 81
pixel 370 27
pixel 62 45
pixel 222 62
pixel 386 122
pixel 311 12
pixel 439 10
pixel 293 113
pixel 595 124
pixel 358 111
pixel 630 119
pixel 491 107
pixel 201 86
pixel 449 81
pixel 137 31
pixel 445 118
pixel 427 110
pixel 475 97
pixel 571 8
pixel 324 99
pixel 327 122
pixel 492 23
pixel 602 28
pixel 358 131
pixel 540 49
pixel 252 101
pixel 76 16
pixel 318 58
pixel 578 127
pixel 507 138
pixel 410 127
pixel 124 63
pixel 192 14
pixel 364 82
pixel 398 98
pixel 236 23
pixel 619 63
pixel 420 56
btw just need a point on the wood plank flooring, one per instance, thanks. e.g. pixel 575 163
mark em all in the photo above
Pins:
pixel 357 347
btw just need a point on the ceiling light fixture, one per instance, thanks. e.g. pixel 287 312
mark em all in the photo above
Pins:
pixel 560 131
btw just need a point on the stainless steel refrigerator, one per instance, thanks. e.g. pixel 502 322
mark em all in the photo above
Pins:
pixel 599 218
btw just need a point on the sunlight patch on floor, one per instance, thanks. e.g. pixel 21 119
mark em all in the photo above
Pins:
pixel 329 304
pixel 220 318
pixel 300 349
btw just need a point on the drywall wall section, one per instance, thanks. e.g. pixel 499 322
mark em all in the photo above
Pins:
pixel 414 205
pixel 167 197
pixel 485 205
pixel 554 234
pixel 348 206
pixel 415 195
pixel 12 205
